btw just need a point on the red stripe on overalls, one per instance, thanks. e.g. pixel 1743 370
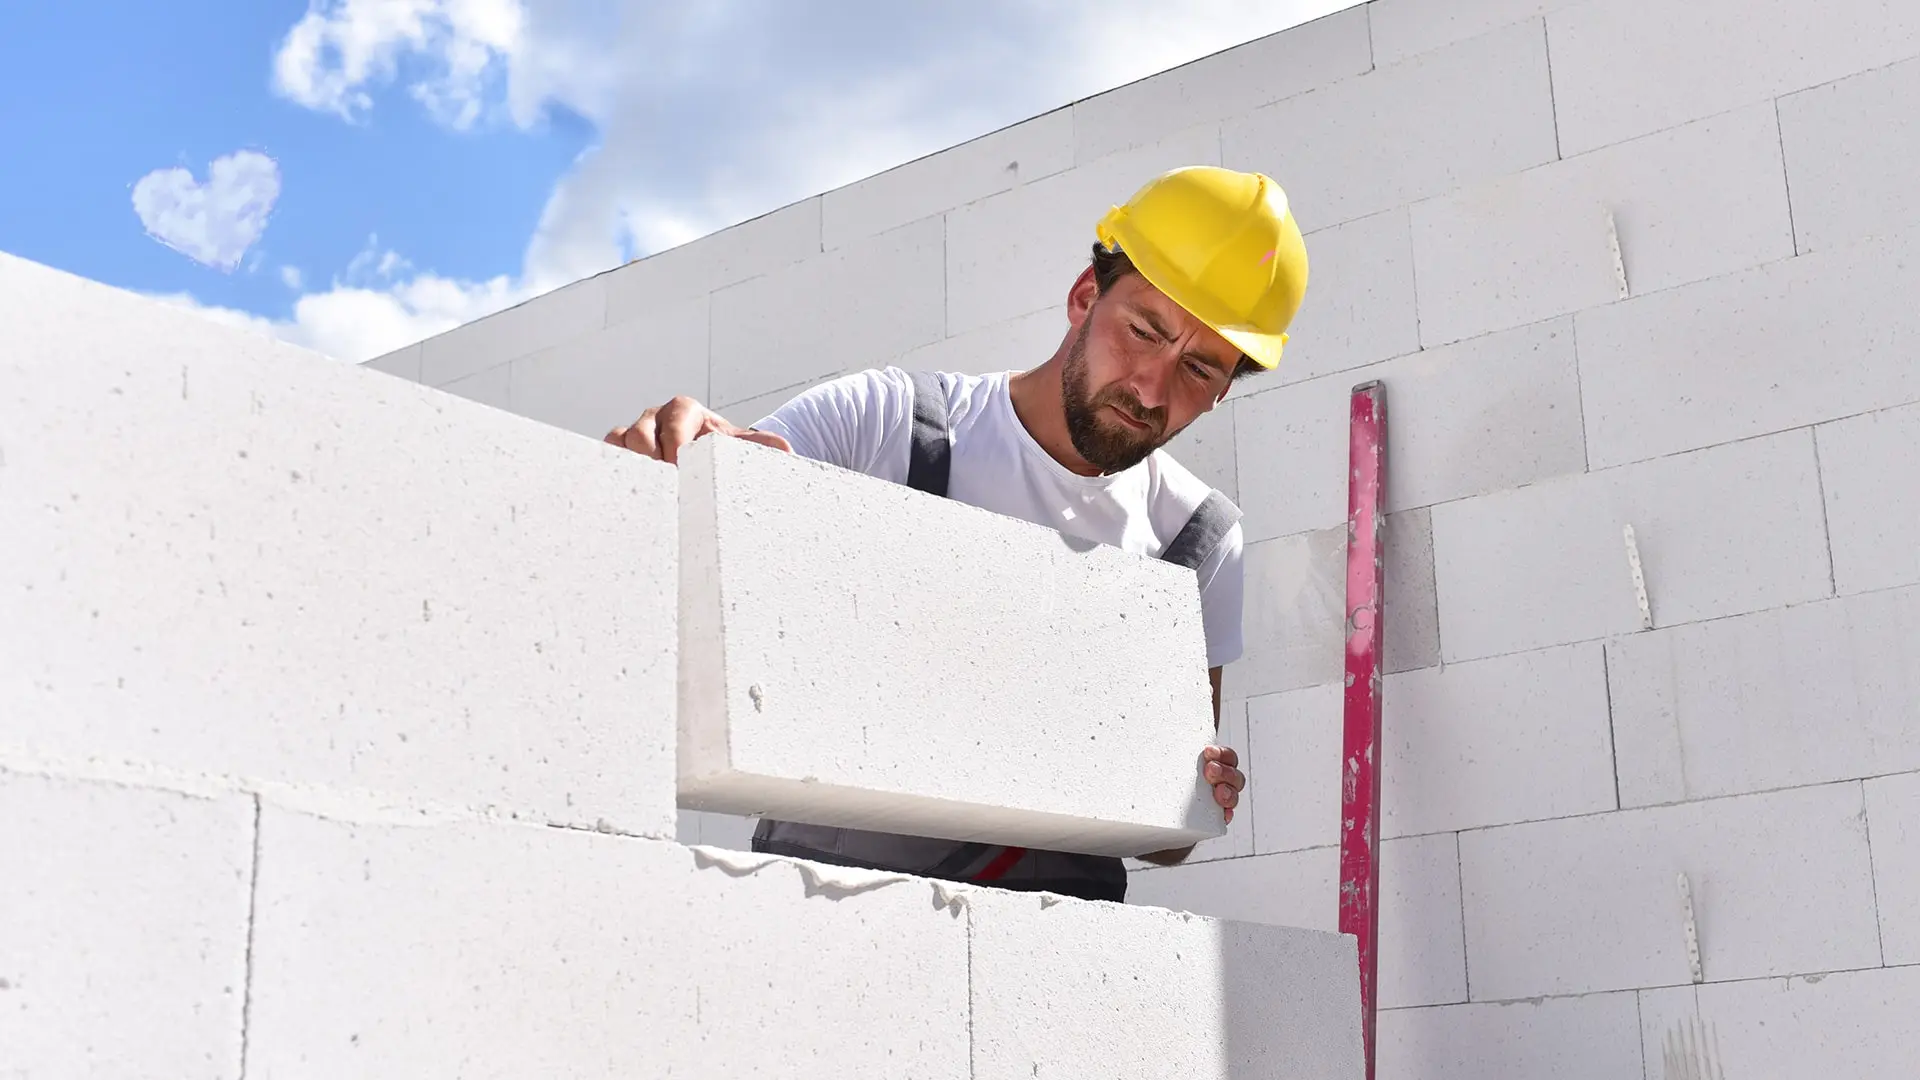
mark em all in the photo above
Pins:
pixel 1001 863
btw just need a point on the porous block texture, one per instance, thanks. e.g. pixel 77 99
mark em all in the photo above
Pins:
pixel 1119 992
pixel 857 653
pixel 230 558
pixel 123 943
pixel 506 950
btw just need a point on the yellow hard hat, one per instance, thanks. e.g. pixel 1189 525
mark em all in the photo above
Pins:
pixel 1223 245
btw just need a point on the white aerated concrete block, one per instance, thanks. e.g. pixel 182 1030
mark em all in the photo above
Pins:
pixel 1853 149
pixel 749 249
pixel 1296 589
pixel 1403 28
pixel 1422 946
pixel 1893 828
pixel 1238 839
pixel 608 378
pixel 1671 1039
pixel 885 294
pixel 1012 345
pixel 123 948
pixel 1623 68
pixel 857 653
pixel 1870 466
pixel 1075 989
pixel 1497 412
pixel 932 185
pixel 401 363
pixel 229 558
pixel 1207 449
pixel 1224 84
pixel 1584 1038
pixel 1360 300
pixel 510 951
pixel 1752 353
pixel 1019 252
pixel 1453 739
pixel 1725 531
pixel 1849 1023
pixel 1780 882
pixel 566 313
pixel 1696 202
pixel 1800 695
pixel 492 387
pixel 1477 110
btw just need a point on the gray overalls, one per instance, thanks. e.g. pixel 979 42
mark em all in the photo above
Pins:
pixel 1090 877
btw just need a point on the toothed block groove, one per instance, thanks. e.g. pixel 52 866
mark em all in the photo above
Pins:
pixel 861 654
pixel 230 559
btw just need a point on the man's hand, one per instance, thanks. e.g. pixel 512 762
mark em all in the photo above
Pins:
pixel 661 433
pixel 1220 766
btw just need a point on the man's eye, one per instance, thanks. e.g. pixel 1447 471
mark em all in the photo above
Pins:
pixel 1198 369
pixel 1141 334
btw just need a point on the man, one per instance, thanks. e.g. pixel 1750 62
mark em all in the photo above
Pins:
pixel 1192 286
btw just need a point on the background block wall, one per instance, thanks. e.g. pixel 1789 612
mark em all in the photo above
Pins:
pixel 1740 387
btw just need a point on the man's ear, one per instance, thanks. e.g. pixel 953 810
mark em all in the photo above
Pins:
pixel 1080 298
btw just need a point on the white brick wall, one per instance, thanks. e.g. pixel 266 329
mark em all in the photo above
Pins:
pixel 1592 903
pixel 229 558
pixel 1815 338
pixel 1893 825
pixel 1725 531
pixel 772 331
pixel 1405 131
pixel 1853 1023
pixel 564 314
pixel 512 951
pixel 746 250
pixel 609 378
pixel 1852 148
pixel 123 951
pixel 1684 205
pixel 1360 279
pixel 1252 1000
pixel 1802 695
pixel 1586 1038
pixel 1623 68
pixel 1868 465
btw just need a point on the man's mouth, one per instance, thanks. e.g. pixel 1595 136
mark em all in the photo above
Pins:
pixel 1131 421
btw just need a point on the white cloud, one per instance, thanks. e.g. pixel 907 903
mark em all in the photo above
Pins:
pixel 707 113
pixel 215 222
pixel 291 277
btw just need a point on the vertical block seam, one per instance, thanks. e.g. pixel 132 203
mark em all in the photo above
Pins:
pixel 1873 874
pixel 253 908
pixel 1786 176
pixel 1553 100
pixel 1613 739
pixel 1460 887
pixel 1826 519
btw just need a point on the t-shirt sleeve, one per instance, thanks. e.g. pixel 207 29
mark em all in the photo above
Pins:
pixel 1222 576
pixel 854 421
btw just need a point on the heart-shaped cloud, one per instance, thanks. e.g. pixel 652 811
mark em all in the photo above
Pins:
pixel 215 222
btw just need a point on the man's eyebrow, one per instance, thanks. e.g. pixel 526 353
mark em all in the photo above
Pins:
pixel 1193 354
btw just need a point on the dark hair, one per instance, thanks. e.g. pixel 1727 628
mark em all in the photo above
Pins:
pixel 1112 264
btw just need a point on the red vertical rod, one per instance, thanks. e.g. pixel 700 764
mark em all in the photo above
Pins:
pixel 1360 767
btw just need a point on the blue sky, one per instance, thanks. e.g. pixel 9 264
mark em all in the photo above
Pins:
pixel 396 167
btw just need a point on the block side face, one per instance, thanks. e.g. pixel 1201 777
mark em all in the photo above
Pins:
pixel 937 701
pixel 1803 695
pixel 1586 905
pixel 123 951
pixel 393 950
pixel 324 577
pixel 1278 1000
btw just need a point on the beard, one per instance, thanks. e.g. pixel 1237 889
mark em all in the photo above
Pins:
pixel 1106 443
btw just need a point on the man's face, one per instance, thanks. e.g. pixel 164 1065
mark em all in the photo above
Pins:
pixel 1139 371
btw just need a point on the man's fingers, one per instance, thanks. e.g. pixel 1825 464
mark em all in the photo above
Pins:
pixel 765 438
pixel 1225 796
pixel 1220 774
pixel 1225 755
pixel 637 436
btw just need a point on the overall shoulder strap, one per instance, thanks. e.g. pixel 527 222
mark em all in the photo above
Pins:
pixel 1203 531
pixel 932 447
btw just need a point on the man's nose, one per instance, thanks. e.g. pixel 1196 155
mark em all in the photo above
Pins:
pixel 1149 378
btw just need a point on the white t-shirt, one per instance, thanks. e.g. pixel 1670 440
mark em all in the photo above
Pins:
pixel 864 422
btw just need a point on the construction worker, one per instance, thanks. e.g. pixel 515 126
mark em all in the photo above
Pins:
pixel 1191 286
